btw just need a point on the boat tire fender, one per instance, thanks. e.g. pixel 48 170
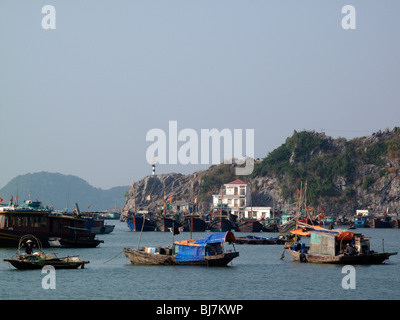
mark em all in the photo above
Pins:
pixel 167 262
pixel 303 257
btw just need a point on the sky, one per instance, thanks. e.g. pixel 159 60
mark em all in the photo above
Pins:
pixel 80 99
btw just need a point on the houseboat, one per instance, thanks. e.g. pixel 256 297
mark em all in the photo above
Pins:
pixel 31 218
pixel 329 246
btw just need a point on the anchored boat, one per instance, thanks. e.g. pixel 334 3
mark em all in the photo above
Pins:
pixel 208 251
pixel 32 218
pixel 40 259
pixel 331 246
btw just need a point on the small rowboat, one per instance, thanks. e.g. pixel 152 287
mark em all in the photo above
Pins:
pixel 39 259
pixel 29 262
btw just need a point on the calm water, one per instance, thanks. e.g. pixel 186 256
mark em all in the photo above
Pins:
pixel 257 274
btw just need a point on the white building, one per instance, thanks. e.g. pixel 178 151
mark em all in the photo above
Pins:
pixel 362 213
pixel 235 196
pixel 257 213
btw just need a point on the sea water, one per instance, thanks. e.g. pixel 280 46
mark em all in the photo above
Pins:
pixel 258 273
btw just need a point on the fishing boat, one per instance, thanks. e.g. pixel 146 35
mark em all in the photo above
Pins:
pixel 32 218
pixel 271 225
pixel 207 251
pixel 93 223
pixel 98 226
pixel 361 223
pixel 73 242
pixel 248 225
pixel 40 259
pixel 381 222
pixel 166 222
pixel 259 240
pixel 285 228
pixel 194 223
pixel 139 222
pixel 329 246
pixel 220 221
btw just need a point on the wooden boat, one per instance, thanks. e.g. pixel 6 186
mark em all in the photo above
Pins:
pixel 381 222
pixel 248 225
pixel 328 246
pixel 135 223
pixel 40 259
pixel 194 223
pixel 93 223
pixel 29 262
pixel 32 218
pixel 220 221
pixel 361 223
pixel 165 223
pixel 259 240
pixel 284 229
pixel 80 242
pixel 271 225
pixel 207 251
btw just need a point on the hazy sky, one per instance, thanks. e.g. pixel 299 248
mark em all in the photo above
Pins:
pixel 80 99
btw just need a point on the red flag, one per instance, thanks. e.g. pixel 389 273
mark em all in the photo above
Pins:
pixel 1 199
pixel 12 197
pixel 170 198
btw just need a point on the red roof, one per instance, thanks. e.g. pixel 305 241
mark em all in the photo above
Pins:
pixel 237 181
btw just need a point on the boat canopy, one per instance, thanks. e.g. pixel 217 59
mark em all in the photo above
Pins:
pixel 194 250
pixel 217 237
pixel 300 232
pixel 190 253
pixel 340 235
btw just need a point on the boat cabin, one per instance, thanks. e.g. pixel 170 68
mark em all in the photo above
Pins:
pixel 16 221
pixel 334 243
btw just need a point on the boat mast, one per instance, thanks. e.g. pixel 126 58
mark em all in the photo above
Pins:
pixel 251 201
pixel 134 215
pixel 220 216
pixel 298 208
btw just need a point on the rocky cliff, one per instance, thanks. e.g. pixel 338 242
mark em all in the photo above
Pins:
pixel 342 176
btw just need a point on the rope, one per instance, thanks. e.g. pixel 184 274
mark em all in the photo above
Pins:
pixel 112 258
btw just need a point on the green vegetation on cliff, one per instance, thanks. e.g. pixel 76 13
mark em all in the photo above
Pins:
pixel 214 179
pixel 324 162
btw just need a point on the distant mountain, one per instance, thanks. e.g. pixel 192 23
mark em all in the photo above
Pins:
pixel 62 192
